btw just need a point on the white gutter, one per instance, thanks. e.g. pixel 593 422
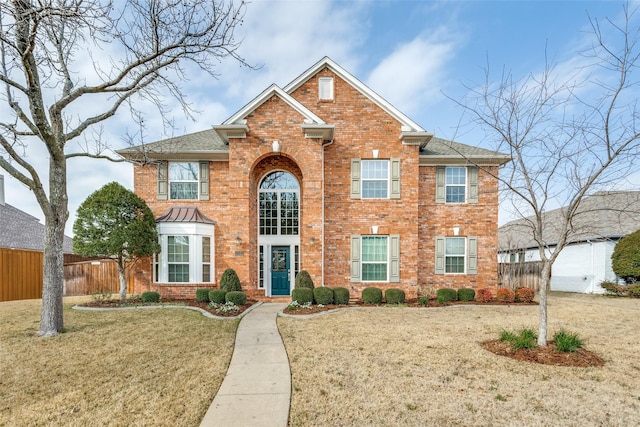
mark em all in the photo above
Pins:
pixel 323 180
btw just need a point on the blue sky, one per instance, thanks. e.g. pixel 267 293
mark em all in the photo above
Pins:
pixel 410 52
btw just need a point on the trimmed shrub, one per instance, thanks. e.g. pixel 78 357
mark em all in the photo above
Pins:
pixel 341 296
pixel 567 342
pixel 217 296
pixel 302 295
pixel 484 295
pixel 372 296
pixel 202 294
pixel 323 295
pixel 150 296
pixel 612 287
pixel 446 295
pixel 466 294
pixel 236 297
pixel 633 290
pixel 525 294
pixel 505 295
pixel 625 260
pixel 304 280
pixel 394 296
pixel 230 281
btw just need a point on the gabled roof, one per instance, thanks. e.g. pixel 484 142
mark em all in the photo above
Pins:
pixel 441 152
pixel 326 62
pixel 19 230
pixel 184 214
pixel 203 145
pixel 602 216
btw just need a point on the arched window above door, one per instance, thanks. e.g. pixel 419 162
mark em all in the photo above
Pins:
pixel 278 204
pixel 279 180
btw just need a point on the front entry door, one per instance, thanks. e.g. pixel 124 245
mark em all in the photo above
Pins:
pixel 280 270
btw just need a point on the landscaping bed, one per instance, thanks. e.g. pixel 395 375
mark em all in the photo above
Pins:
pixel 137 302
pixel 546 355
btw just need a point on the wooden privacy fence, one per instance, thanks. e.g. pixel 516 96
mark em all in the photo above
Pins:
pixel 85 278
pixel 20 274
pixel 526 274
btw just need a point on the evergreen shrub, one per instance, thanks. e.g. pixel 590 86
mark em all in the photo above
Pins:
pixel 466 294
pixel 323 295
pixel 230 281
pixel 150 297
pixel 236 297
pixel 372 296
pixel 202 294
pixel 302 295
pixel 446 295
pixel 304 280
pixel 394 296
pixel 217 296
pixel 340 296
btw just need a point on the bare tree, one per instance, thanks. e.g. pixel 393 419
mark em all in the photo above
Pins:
pixel 69 65
pixel 568 137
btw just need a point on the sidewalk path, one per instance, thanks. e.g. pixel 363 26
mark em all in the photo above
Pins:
pixel 257 388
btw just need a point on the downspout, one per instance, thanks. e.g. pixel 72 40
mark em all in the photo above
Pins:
pixel 593 277
pixel 322 210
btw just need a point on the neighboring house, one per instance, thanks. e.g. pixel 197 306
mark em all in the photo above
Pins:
pixel 322 175
pixel 602 219
pixel 19 230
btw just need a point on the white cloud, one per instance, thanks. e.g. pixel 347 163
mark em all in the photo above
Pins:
pixel 413 75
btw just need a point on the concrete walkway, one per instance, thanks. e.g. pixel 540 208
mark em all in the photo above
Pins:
pixel 257 388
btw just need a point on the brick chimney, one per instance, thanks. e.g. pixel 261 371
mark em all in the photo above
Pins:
pixel 1 190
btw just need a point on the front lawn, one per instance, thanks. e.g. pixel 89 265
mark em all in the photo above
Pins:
pixel 407 366
pixel 132 367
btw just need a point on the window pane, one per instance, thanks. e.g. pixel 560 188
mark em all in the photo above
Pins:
pixel 261 267
pixel 279 180
pixel 375 179
pixel 455 194
pixel 206 273
pixel 456 176
pixel 374 272
pixel 206 249
pixel 178 248
pixel 374 248
pixel 268 213
pixel 183 190
pixel 454 264
pixel 178 273
pixel 183 171
pixel 455 246
pixel 289 213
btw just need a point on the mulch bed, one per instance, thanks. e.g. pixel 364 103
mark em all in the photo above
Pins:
pixel 409 303
pixel 115 303
pixel 546 355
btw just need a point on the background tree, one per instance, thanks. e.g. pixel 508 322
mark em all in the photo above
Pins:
pixel 625 259
pixel 69 65
pixel 568 136
pixel 113 222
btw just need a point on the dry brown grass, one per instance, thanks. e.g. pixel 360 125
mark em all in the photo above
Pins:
pixel 416 367
pixel 142 367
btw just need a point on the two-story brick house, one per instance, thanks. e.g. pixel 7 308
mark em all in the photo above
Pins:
pixel 322 175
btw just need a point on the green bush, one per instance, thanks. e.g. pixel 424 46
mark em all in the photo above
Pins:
pixel 633 290
pixel 423 301
pixel 150 297
pixel 625 259
pixel 612 287
pixel 236 297
pixel 217 296
pixel 567 342
pixel 230 281
pixel 303 280
pixel 466 294
pixel 446 295
pixel 302 295
pixel 202 294
pixel 323 295
pixel 341 296
pixel 526 338
pixel 372 296
pixel 394 296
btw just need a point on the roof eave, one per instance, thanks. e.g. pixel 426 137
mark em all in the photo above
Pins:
pixel 420 138
pixel 455 159
pixel 233 130
pixel 138 156
pixel 323 131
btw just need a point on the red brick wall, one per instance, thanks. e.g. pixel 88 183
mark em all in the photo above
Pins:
pixel 360 127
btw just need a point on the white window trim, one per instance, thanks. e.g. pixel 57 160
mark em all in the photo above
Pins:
pixel 362 262
pixel 464 256
pixel 464 186
pixel 327 81
pixel 363 179
pixel 195 232
pixel 169 180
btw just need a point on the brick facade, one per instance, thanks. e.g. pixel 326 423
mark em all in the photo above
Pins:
pixel 323 169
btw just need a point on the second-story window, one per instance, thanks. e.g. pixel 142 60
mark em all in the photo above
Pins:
pixel 183 180
pixel 375 179
pixel 456 184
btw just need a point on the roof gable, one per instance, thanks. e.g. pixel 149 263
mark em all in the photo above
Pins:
pixel 408 125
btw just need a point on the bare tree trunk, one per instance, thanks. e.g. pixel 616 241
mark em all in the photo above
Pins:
pixel 123 279
pixel 51 318
pixel 545 282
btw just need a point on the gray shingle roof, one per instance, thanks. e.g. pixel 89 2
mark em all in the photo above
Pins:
pixel 197 143
pixel 604 215
pixel 438 147
pixel 19 230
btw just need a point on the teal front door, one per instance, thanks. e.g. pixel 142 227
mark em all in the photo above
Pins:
pixel 280 270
